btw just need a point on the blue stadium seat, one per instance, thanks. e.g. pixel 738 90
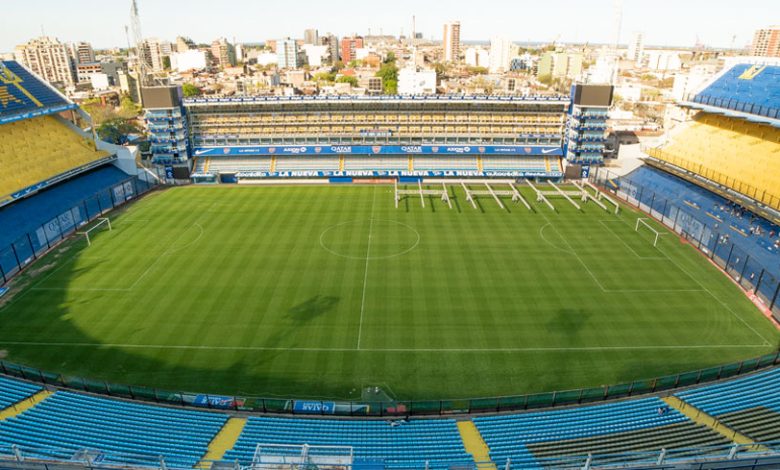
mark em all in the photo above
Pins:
pixel 14 101
pixel 123 432
pixel 710 209
pixel 409 445
pixel 26 216
pixel 753 89
pixel 13 391
pixel 762 389
pixel 508 436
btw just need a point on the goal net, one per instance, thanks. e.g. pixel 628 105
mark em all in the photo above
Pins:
pixel 645 226
pixel 103 225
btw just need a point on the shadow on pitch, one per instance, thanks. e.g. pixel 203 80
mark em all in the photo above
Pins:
pixel 313 308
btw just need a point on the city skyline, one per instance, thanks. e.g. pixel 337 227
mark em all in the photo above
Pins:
pixel 666 23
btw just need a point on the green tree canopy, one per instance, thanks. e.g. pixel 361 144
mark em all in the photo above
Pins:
pixel 115 131
pixel 190 90
pixel 348 79
pixel 389 74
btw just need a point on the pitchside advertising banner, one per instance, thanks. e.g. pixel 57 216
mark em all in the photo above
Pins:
pixel 528 150
pixel 396 174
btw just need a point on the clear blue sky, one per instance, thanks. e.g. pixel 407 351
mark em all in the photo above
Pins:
pixel 664 22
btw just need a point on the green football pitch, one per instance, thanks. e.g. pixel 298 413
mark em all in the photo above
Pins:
pixel 311 291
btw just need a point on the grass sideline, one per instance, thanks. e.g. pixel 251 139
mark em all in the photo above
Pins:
pixel 308 291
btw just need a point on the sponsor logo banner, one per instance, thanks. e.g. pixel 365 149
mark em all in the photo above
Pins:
pixel 396 173
pixel 323 407
pixel 380 150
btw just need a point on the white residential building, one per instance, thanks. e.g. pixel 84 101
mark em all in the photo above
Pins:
pixel 192 59
pixel 500 55
pixel 414 82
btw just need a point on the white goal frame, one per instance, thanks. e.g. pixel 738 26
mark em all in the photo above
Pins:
pixel 101 221
pixel 643 221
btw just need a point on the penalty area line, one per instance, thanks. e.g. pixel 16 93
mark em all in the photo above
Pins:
pixel 383 350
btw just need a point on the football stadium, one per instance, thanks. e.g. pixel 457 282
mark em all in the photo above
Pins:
pixel 394 282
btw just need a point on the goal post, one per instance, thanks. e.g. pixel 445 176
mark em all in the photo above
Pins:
pixel 641 222
pixel 104 223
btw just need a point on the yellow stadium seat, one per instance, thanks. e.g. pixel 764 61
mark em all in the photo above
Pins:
pixel 737 154
pixel 37 149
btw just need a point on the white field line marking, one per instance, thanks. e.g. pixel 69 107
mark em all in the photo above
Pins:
pixel 627 245
pixel 382 350
pixel 571 251
pixel 171 249
pixel 707 290
pixel 365 273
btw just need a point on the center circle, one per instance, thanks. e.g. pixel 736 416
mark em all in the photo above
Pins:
pixel 369 239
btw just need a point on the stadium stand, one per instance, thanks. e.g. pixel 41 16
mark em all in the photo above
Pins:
pixel 627 426
pixel 232 164
pixel 14 391
pixel 70 422
pixel 444 163
pixel 525 164
pixel 750 405
pixel 756 236
pixel 89 191
pixel 748 88
pixel 374 163
pixel 21 92
pixel 407 445
pixel 35 150
pixel 65 425
pixel 307 164
pixel 737 154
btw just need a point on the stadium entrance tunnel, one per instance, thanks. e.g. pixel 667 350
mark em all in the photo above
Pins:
pixel 369 239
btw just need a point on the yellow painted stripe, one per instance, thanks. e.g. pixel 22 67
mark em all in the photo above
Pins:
pixel 479 163
pixel 24 405
pixel 475 445
pixel 411 163
pixel 13 79
pixel 341 163
pixel 700 417
pixel 273 163
pixel 547 164
pixel 224 440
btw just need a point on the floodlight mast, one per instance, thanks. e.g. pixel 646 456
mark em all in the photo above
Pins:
pixel 143 68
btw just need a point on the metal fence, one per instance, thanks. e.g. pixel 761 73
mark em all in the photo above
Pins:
pixel 761 454
pixel 33 244
pixel 396 408
pixel 705 234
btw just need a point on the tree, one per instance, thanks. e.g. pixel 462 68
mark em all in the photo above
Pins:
pixel 190 90
pixel 115 131
pixel 477 70
pixel 389 74
pixel 327 77
pixel 166 62
pixel 348 79
pixel 128 108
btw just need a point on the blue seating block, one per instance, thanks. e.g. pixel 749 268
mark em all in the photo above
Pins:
pixel 762 389
pixel 122 431
pixel 409 445
pixel 13 391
